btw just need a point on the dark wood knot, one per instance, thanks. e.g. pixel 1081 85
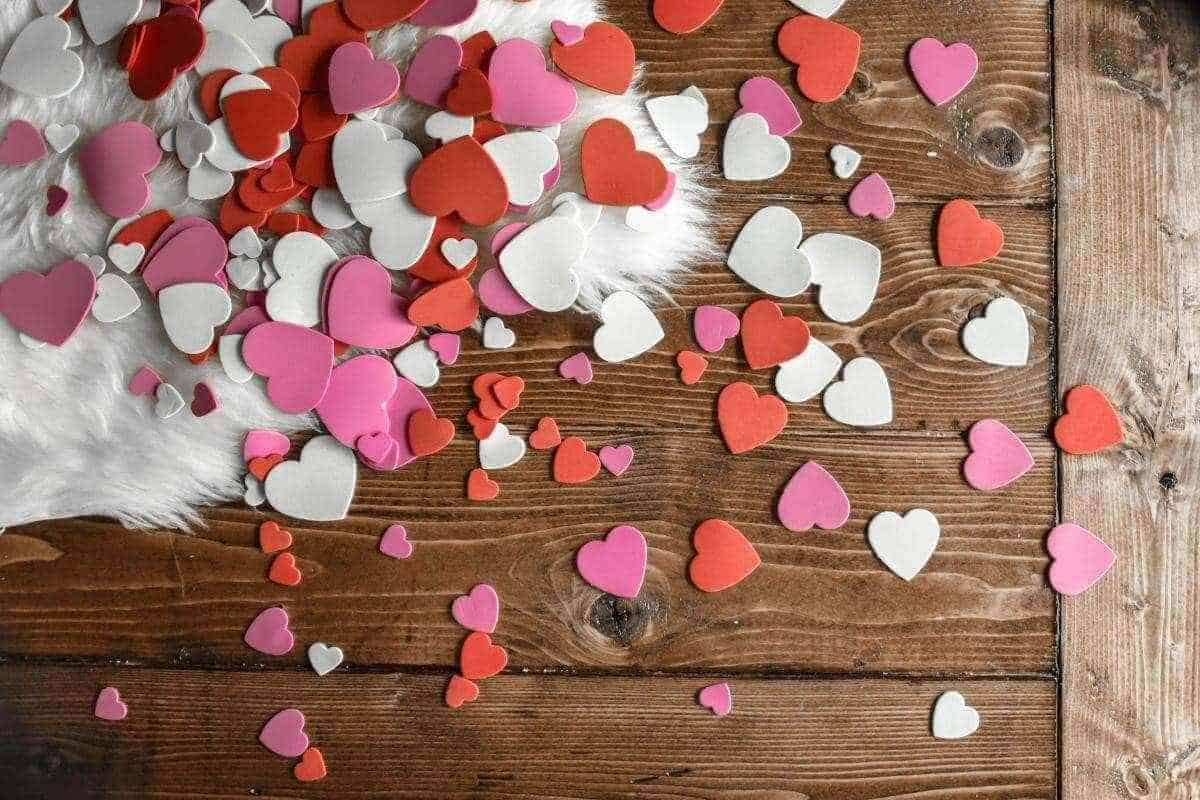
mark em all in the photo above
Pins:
pixel 1001 147
pixel 623 621
pixel 861 88
pixel 1169 480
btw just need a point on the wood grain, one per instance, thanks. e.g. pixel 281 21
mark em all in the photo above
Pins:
pixel 194 734
pixel 1128 250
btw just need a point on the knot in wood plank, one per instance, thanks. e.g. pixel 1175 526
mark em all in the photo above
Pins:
pixel 1001 147
pixel 623 621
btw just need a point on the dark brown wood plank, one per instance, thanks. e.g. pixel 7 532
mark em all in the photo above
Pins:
pixel 194 734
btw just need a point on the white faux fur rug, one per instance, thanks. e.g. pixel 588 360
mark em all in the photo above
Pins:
pixel 73 441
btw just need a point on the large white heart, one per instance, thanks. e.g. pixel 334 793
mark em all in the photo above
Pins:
pixel 105 19
pixel 39 63
pixel 500 449
pixel 368 166
pixel 226 51
pixel 680 120
pixel 206 182
pixel 540 262
pixel 115 299
pixel 751 152
pixel 1000 336
pixel 862 397
pixel 803 377
pixel 264 34
pixel 523 158
pixel 953 718
pixel 904 544
pixel 766 253
pixel 319 486
pixel 629 328
pixel 190 312
pixel 847 270
pixel 399 232
pixel 419 363
pixel 301 259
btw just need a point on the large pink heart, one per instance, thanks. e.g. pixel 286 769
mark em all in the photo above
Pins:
pixel 355 404
pixel 22 144
pixel 195 254
pixel 997 456
pixel 358 81
pixel 942 71
pixel 813 497
pixel 269 633
pixel 284 734
pixel 431 73
pixel 50 307
pixel 439 13
pixel 296 361
pixel 1080 558
pixel 362 310
pixel 615 564
pixel 114 164
pixel 523 92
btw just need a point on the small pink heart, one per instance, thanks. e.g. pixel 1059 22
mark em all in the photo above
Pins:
pixel 576 368
pixel 22 144
pixel 440 13
pixel 284 734
pixel 260 444
pixel 248 318
pixel 998 457
pixel 406 401
pixel 524 92
pixel 204 400
pixel 432 71
pixel 872 197
pixel 615 564
pixel 355 404
pixel 616 459
pixel 446 345
pixel 195 254
pixel 566 33
pixel 362 310
pixel 713 326
pixel 358 81
pixel 718 698
pixel 109 705
pixel 1079 558
pixel 479 610
pixel 144 382
pixel 661 201
pixel 114 164
pixel 296 361
pixel 269 633
pixel 50 307
pixel 288 11
pixel 942 72
pixel 56 200
pixel 395 543
pixel 763 96
pixel 377 449
pixel 813 497
pixel 498 294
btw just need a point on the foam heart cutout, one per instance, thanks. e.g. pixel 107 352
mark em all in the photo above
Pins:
pixel 460 177
pixel 395 542
pixel 872 197
pixel 166 47
pixel 479 658
pixel 763 96
pixel 717 698
pixel 109 705
pixel 114 164
pixel 478 610
pixel 1000 335
pixel 260 467
pixel 284 732
pixel 768 337
pixel 440 13
pixel 22 144
pixel 1079 558
pixel 358 81
pixel 452 306
pixel 576 368
pixel 539 262
pixel 747 420
pixel 191 313
pixel 524 92
pixel 1089 423
pixel 724 556
pixel 433 70
pixel 691 366
pixel 204 400
pixel 766 253
pixel 684 16
pixel 319 486
pixel 268 633
pixel 616 459
pixel 681 120
pixel 904 543
pixel 272 538
pixel 825 54
pixel 602 58
pixel 50 307
pixel 307 57
pixel 964 238
pixel 713 326
pixel 847 270
pixel 258 120
pixel 323 658
pixel 296 361
pixel 574 463
pixel 615 564
pixel 39 63
pixel 460 691
pixel 942 71
pixel 813 497
pixel 361 309
pixel 629 328
pixel 952 718
pixel 355 401
pixel 750 152
pixel 311 766
pixel 471 95
pixel 428 433
pixel 863 397
pixel 998 457
pixel 284 571
pixel 615 172
pixel 480 487
pixel 500 449
pixel 546 435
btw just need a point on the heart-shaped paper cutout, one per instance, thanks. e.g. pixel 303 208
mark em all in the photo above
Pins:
pixel 479 658
pixel 268 633
pixel 1078 558
pixel 825 54
pixel 813 497
pixel 284 732
pixel 615 172
pixel 724 556
pixel 114 164
pixel 942 71
pixel 964 238
pixel 603 58
pixel 998 457
pixel 50 307
pixel 747 420
pixel 768 337
pixel 904 543
pixel 296 361
pixel 615 564
pixel 524 92
pixel 479 610
pixel 1089 423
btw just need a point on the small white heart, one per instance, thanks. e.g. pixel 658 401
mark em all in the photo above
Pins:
pixel 96 264
pixel 324 658
pixel 61 137
pixel 751 152
pixel 904 543
pixel 845 160
pixel 680 120
pixel 953 718
pixel 206 182
pixel 168 401
pixel 244 273
pixel 246 243
pixel 446 127
pixel 766 253
pixel 419 363
pixel 1000 336
pixel 190 313
pixel 496 336
pixel 803 377
pixel 400 233
pixel 192 140
pixel 862 397
pixel 368 166
pixel 115 299
pixel 126 257
pixel 459 252
pixel 500 449
pixel 629 328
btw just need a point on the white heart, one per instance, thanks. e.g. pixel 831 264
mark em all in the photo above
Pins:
pixel 255 6
pixel 225 51
pixel 821 8
pixel 95 263
pixel 53 7
pixel 847 270
pixel 500 449
pixel 206 182
pixel 246 243
pixel 400 233
pixel 862 397
pixel 192 140
pixel 150 10
pixel 368 166
pixel 254 496
pixel 523 158
pixel 244 273
pixel 1000 336
pixel 419 363
pixel 629 328
pixel 904 544
pixel 496 336
pixel 229 348
pixel 76 27
pixel 319 486
pixel 643 220
pixel 766 253
pixel 697 95
pixel 269 276
pixel 803 377
pixel 301 259
pixel 190 312
pixel 751 152
pixel 953 718
pixel 224 153
pixel 369 113
pixel 459 252
pixel 265 34
pixel 331 211
pixel 241 83
pixel 115 299
pixel 845 160
pixel 540 262
pixel 587 213
pixel 168 401
pixel 446 127
pixel 323 658
pixel 126 257
pixel 61 137
pixel 680 120
pixel 166 142
pixel 105 19
pixel 39 63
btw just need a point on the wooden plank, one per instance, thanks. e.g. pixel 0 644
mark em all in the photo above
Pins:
pixel 194 734
pixel 1128 250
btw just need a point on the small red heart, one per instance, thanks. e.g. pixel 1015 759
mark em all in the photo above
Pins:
pixel 825 54
pixel 451 306
pixel 480 487
pixel 234 216
pixel 1090 424
pixel 476 50
pixel 507 391
pixel 546 435
pixel 257 121
pixel 161 49
pixel 691 366
pixel 307 57
pixel 684 16
pixel 615 172
pixel 146 229
pixel 480 658
pixel 272 538
pixel 374 15
pixel 724 556
pixel 209 93
pixel 487 129
pixel 489 405
pixel 281 223
pixel 602 59
pixel 471 95
pixel 460 177
pixel 769 338
pixel 428 433
pixel 747 420
pixel 433 266
pixel 481 426
pixel 574 463
pixel 311 766
pixel 278 178
pixel 964 238
pixel 284 571
pixel 318 120
pixel 281 81
pixel 261 466
pixel 460 691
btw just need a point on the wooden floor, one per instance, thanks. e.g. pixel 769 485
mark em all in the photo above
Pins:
pixel 834 662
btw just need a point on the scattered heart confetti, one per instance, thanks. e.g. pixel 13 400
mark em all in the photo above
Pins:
pixel 825 54
pixel 763 96
pixel 747 420
pixel 724 556
pixel 1078 558
pixel 284 735
pixel 546 435
pixel 479 658
pixel 574 463
pixel 845 160
pixel 324 658
pixel 766 253
pixel 615 172
pixel 311 766
pixel 904 543
pixel 480 487
pixel 629 328
pixel 576 368
pixel 22 144
pixel 872 197
pixel 863 397
pixel 395 542
pixel 478 610
pixel 615 564
pixel 50 307
pixel 713 326
pixel 717 698
pixel 769 338
pixel 1089 423
pixel 942 71
pixel 691 366
pixel 813 497
pixel 952 718
pixel 750 152
pixel 616 459
pixel 460 691
pixel 284 570
pixel 803 377
pixel 1000 335
pixel 204 399
pixel 998 457
pixel 109 705
pixel 602 57
pixel 964 238
pixel 272 538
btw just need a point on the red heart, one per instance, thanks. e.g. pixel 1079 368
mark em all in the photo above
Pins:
pixel 318 120
pixel 260 467
pixel 480 487
pixel 507 391
pixel 487 129
pixel 311 766
pixel 307 57
pixel 481 426
pixel 489 406
pixel 546 434
pixel 768 337
pixel 272 538
pixel 284 571
pixel 747 420
pixel 373 15
pixel 257 121
pixel 684 16
pixel 161 49
pixel 314 163
pixel 428 433
pixel 691 366
pixel 282 223
pixel 459 177
pixel 602 59
pixel 451 306
pixel 460 690
pixel 476 50
pixel 825 54
pixel 278 177
pixel 574 463
pixel 471 95
pixel 433 266
pixel 1090 424
pixel 253 191
pixel 964 238
pixel 724 557
pixel 281 81
pixel 209 93
pixel 480 658
pixel 615 172
pixel 145 230
pixel 234 216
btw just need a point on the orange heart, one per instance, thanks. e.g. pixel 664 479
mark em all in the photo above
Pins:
pixel 1090 424
pixel 433 266
pixel 307 57
pixel 209 93
pixel 615 172
pixel 747 420
pixel 489 405
pixel 272 538
pixel 460 690
pixel 769 338
pixel 964 238
pixel 373 15
pixel 602 59
pixel 481 426
pixel 691 366
pixel 284 571
pixel 311 766
pixel 724 557
pixel 480 658
pixel 428 433
pixel 255 196
pixel 546 434
pixel 825 54
pixel 476 50
pixel 314 163
pixel 471 94
pixel 684 16
pixel 451 306
pixel 259 467
pixel 574 463
pixel 480 487
pixel 257 121
pixel 460 177
pixel 318 119
pixel 507 391
pixel 234 216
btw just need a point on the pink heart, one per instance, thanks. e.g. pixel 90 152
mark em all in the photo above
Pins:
pixel 204 400
pixel 505 235
pixel 616 459
pixel 872 197
pixel 144 382
pixel 395 543
pixel 355 403
pixel 376 449
pixel 358 81
pixel 50 307
pixel 406 401
pixel 22 144
pixel 446 345
pixel 713 326
pixel 577 368
pixel 296 361
pixel 718 698
pixel 615 564
pixel 432 71
pixel 361 308
pixel 667 193
pixel 246 320
pixel 284 734
pixel 498 294
pixel 997 456
pixel 813 497
pixel 269 633
pixel 260 444
pixel 1079 558
pixel 56 200
pixel 763 96
pixel 479 610
pixel 942 72
pixel 566 33
pixel 524 92
pixel 109 705
pixel 288 11
pixel 114 164
pixel 196 254
pixel 439 13
pixel 179 225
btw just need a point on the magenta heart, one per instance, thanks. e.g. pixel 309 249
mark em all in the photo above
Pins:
pixel 169 232
pixel 524 92
pixel 713 326
pixel 377 449
pixel 144 382
pixel 358 81
pixel 942 72
pixel 114 164
pixel 566 33
pixel 269 633
pixel 22 144
pixel 246 320
pixel 56 200
pixel 616 459
pixel 260 444
pixel 479 610
pixel 204 400
pixel 432 71
pixel 406 401
pixel 362 310
pixel 872 197
pixel 446 345
pixel 717 698
pixel 296 361
pixel 284 734
pixel 813 497
pixel 661 201
pixel 498 294
pixel 50 307
pixel 196 254
pixel 615 564
pixel 355 404
pixel 288 11
pixel 395 543
pixel 763 96
pixel 1079 556
pixel 109 705
pixel 997 456
pixel 576 368
pixel 439 13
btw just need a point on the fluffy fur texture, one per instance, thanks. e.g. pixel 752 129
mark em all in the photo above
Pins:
pixel 73 441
